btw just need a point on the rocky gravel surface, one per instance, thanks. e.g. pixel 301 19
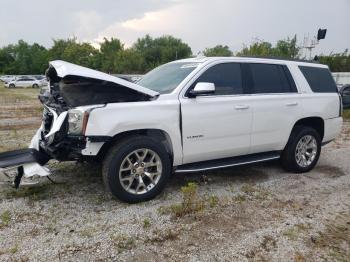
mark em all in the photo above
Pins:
pixel 255 213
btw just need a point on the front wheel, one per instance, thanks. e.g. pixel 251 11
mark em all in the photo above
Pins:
pixel 136 169
pixel 302 151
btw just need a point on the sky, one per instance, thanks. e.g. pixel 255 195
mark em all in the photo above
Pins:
pixel 200 23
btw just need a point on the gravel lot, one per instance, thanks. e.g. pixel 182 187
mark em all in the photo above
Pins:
pixel 255 213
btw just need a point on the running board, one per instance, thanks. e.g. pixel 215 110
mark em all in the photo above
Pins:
pixel 228 162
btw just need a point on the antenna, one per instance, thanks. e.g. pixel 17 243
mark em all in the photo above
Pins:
pixel 311 43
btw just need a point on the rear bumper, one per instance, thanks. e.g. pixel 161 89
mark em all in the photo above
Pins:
pixel 332 128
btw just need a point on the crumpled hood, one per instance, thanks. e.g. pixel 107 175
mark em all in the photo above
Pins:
pixel 73 86
pixel 64 69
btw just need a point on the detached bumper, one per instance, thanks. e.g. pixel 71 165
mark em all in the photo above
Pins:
pixel 27 162
pixel 23 156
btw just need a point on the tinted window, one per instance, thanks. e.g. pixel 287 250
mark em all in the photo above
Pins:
pixel 268 78
pixel 320 79
pixel 226 77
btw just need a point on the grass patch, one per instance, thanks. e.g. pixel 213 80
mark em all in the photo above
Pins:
pixel 346 114
pixel 295 232
pixel 123 242
pixel 146 223
pixel 5 218
pixel 33 193
pixel 160 236
pixel 191 202
pixel 17 95
pixel 335 239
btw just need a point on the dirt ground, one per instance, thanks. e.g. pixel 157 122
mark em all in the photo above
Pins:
pixel 251 213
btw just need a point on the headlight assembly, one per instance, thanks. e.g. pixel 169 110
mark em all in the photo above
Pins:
pixel 77 121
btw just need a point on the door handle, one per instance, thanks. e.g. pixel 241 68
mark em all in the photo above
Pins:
pixel 241 107
pixel 292 104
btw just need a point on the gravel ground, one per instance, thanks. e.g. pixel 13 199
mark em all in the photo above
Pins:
pixel 252 213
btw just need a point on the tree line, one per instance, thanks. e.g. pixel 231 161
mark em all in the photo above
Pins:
pixel 146 53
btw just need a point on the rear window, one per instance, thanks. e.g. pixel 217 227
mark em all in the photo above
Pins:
pixel 320 79
pixel 270 78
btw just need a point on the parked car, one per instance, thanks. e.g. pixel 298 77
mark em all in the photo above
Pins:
pixel 6 78
pixel 189 115
pixel 24 81
pixel 345 93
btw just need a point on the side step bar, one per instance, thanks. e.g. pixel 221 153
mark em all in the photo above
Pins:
pixel 228 162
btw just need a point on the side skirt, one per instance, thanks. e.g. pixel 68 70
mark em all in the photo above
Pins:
pixel 228 162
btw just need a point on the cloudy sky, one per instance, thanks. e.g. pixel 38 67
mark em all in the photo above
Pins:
pixel 200 23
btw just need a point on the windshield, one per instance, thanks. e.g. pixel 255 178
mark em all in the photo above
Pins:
pixel 166 78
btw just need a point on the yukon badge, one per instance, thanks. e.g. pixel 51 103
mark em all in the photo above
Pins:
pixel 194 137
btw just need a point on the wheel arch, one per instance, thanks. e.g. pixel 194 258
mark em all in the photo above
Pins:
pixel 314 122
pixel 157 134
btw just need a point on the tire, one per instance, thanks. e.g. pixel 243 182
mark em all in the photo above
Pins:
pixel 128 190
pixel 12 86
pixel 291 160
pixel 35 86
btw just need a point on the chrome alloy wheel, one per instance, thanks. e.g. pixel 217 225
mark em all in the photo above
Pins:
pixel 140 171
pixel 306 151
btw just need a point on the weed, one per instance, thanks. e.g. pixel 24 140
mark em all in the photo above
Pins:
pixel 191 202
pixel 160 236
pixel 240 198
pixel 14 249
pixel 123 242
pixel 146 223
pixel 5 218
pixel 213 201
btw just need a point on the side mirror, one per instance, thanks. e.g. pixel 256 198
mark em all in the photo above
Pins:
pixel 202 88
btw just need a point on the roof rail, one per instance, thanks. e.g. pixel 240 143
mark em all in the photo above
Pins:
pixel 283 58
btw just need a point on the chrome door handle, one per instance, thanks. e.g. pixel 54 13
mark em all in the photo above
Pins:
pixel 292 104
pixel 241 107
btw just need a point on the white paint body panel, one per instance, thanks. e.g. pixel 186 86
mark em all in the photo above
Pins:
pixel 205 128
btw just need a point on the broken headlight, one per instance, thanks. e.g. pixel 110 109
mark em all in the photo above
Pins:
pixel 77 121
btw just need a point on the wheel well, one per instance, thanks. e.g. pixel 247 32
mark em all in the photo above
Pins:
pixel 157 134
pixel 316 123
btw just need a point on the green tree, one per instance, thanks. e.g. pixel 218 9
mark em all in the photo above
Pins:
pixel 161 50
pixel 71 51
pixel 130 61
pixel 339 62
pixel 287 48
pixel 218 50
pixel 108 55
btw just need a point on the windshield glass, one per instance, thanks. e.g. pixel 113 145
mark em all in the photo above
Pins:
pixel 166 78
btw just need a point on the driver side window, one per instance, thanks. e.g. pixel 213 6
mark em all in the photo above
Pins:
pixel 226 77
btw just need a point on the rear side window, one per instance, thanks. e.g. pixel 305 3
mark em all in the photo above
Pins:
pixel 270 78
pixel 226 77
pixel 320 79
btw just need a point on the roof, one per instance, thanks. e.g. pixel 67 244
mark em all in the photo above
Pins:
pixel 251 59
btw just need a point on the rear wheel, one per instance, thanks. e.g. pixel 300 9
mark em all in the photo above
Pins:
pixel 35 86
pixel 136 169
pixel 11 86
pixel 302 151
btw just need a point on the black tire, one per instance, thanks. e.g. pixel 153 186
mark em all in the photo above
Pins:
pixel 12 86
pixel 288 157
pixel 35 86
pixel 114 159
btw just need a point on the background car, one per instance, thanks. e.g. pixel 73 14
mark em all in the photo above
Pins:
pixel 345 93
pixel 24 81
pixel 6 78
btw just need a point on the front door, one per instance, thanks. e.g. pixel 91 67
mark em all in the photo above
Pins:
pixel 218 125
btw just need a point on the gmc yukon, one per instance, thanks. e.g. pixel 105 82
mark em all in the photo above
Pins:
pixel 185 116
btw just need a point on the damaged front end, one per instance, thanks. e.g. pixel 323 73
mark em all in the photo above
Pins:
pixel 73 92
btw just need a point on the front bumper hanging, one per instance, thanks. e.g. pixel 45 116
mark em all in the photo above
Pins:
pixel 28 163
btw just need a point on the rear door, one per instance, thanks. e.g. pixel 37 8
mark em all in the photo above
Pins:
pixel 276 106
pixel 218 125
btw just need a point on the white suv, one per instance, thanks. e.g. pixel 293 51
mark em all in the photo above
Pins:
pixel 24 81
pixel 185 116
